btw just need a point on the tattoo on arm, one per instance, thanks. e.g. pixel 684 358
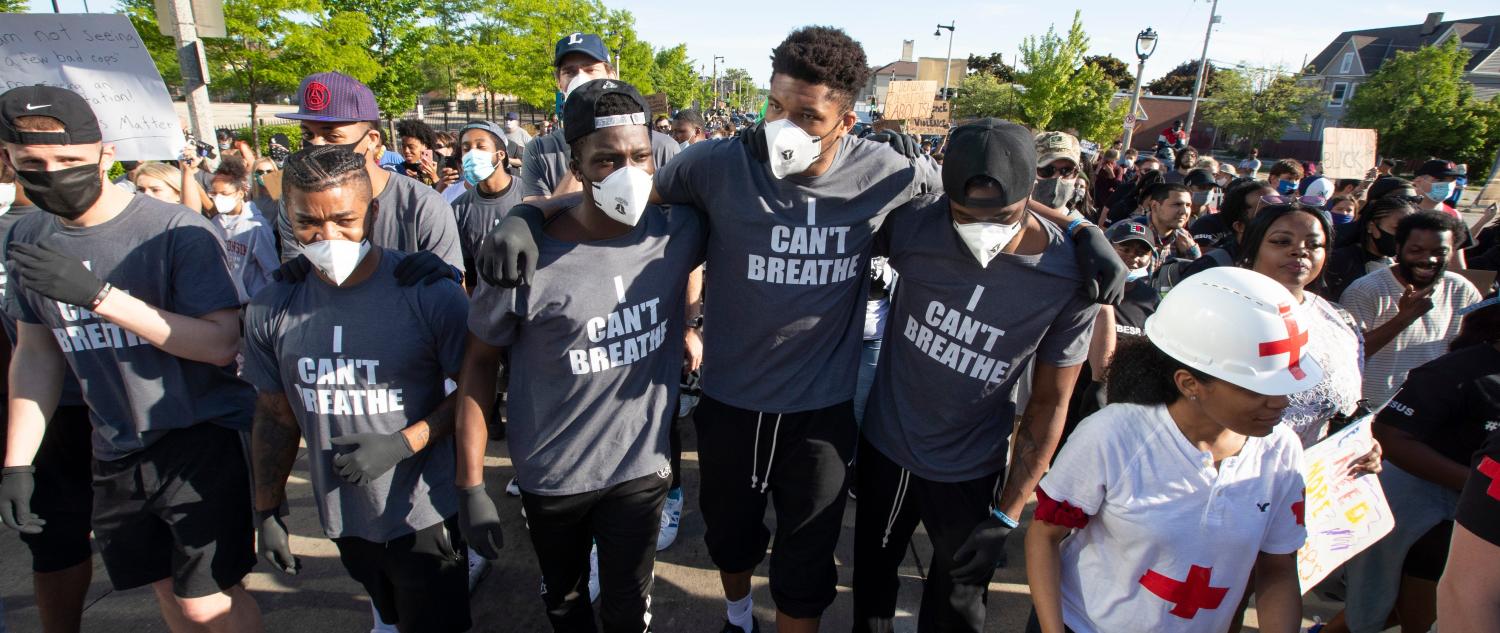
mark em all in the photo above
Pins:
pixel 273 449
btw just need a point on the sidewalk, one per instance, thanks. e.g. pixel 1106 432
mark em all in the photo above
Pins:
pixel 687 598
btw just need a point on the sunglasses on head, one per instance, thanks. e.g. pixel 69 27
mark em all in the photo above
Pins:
pixel 262 172
pixel 1311 201
pixel 1048 171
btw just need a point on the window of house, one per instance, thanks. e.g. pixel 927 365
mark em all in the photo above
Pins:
pixel 1347 64
pixel 1340 91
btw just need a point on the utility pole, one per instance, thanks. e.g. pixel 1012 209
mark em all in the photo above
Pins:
pixel 185 32
pixel 947 70
pixel 1213 18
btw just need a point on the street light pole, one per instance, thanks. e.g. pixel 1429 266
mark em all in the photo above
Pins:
pixel 1213 18
pixel 1145 44
pixel 947 70
pixel 715 103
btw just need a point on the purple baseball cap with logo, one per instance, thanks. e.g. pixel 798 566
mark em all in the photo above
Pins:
pixel 334 97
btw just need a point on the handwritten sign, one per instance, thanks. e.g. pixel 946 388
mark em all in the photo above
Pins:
pixel 101 57
pixel 658 103
pixel 1348 152
pixel 909 99
pixel 1343 515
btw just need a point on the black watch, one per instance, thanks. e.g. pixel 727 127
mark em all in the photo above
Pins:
pixel 695 323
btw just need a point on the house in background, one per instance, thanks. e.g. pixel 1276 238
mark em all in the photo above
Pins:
pixel 1353 56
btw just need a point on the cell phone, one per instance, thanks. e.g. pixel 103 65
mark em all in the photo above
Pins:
pixel 453 161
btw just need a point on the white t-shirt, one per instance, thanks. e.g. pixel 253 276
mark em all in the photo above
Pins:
pixel 1372 300
pixel 1170 541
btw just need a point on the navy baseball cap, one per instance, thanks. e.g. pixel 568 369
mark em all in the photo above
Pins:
pixel 80 126
pixel 1000 150
pixel 586 43
pixel 1121 232
pixel 578 111
pixel 511 116
pixel 335 98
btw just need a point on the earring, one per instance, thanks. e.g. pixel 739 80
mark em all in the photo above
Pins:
pixel 1193 398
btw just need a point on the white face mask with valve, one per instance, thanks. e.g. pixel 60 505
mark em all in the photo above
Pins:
pixel 790 149
pixel 225 204
pixel 578 80
pixel 336 258
pixel 986 239
pixel 623 194
pixel 7 196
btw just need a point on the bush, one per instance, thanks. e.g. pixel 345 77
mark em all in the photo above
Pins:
pixel 292 131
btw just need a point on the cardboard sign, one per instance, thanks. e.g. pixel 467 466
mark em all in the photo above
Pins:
pixel 1343 515
pixel 658 103
pixel 1348 152
pixel 101 57
pixel 909 99
pixel 1482 279
pixel 272 182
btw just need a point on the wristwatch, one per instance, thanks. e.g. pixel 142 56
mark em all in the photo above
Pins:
pixel 695 323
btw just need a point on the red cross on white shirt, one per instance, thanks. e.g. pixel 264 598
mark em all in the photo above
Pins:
pixel 1188 596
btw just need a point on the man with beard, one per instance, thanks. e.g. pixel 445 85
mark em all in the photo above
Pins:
pixel 1169 206
pixel 1407 311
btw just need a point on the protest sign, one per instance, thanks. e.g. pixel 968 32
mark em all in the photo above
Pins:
pixel 909 99
pixel 101 57
pixel 1343 515
pixel 1348 152
pixel 658 103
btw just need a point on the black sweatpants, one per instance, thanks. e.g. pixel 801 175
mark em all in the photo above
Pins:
pixel 623 519
pixel 418 581
pixel 891 503
pixel 801 461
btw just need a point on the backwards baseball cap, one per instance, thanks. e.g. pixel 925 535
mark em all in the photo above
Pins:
pixel 488 126
pixel 1121 232
pixel 80 126
pixel 334 98
pixel 586 43
pixel 579 119
pixel 1000 150
pixel 1438 168
pixel 1052 146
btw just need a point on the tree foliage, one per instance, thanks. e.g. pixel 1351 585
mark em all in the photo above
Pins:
pixel 1420 106
pixel 1178 82
pixel 672 72
pixel 1259 105
pixel 13 6
pixel 993 65
pixel 1114 68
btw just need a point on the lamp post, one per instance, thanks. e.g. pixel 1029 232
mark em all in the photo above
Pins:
pixel 947 70
pixel 1145 45
pixel 715 103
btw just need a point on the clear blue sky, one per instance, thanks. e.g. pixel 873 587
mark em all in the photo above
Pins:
pixel 1253 32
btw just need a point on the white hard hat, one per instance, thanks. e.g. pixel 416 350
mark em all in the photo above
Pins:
pixel 1239 326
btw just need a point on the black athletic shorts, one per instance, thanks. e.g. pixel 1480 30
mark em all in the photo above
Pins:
pixel 64 491
pixel 420 580
pixel 177 509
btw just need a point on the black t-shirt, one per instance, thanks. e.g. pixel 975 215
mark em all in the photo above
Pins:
pixel 1344 266
pixel 1450 404
pixel 1139 302
pixel 1209 230
pixel 1479 506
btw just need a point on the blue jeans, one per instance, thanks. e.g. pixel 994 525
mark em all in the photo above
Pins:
pixel 1374 575
pixel 867 361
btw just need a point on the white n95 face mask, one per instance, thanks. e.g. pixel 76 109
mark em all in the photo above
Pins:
pixel 986 239
pixel 790 149
pixel 225 204
pixel 578 80
pixel 623 194
pixel 336 258
pixel 7 196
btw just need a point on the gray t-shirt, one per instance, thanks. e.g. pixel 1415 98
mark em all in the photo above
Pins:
pixel 787 260
pixel 413 217
pixel 595 353
pixel 960 337
pixel 369 358
pixel 478 214
pixel 545 160
pixel 136 392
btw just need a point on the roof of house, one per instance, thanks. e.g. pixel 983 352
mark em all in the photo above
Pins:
pixel 1481 36
pixel 900 69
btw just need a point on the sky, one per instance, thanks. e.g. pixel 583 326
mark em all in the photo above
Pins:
pixel 744 33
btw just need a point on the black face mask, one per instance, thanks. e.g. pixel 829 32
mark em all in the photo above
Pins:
pixel 65 193
pixel 1386 243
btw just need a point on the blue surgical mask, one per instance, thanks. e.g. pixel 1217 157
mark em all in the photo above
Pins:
pixel 478 165
pixel 1339 218
pixel 1137 274
pixel 1286 187
pixel 1440 191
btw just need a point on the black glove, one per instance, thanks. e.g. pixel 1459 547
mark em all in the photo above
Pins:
pixel 16 484
pixel 508 256
pixel 55 275
pixel 905 144
pixel 984 550
pixel 374 454
pixel 293 271
pixel 479 522
pixel 754 139
pixel 275 545
pixel 1103 272
pixel 426 267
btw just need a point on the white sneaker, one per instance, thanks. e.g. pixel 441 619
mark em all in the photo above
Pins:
pixel 479 567
pixel 594 574
pixel 380 627
pixel 671 516
pixel 513 489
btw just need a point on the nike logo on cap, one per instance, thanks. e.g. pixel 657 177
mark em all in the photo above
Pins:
pixel 32 107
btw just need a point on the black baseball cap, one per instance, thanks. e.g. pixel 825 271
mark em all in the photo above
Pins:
pixel 578 111
pixel 80 126
pixel 488 126
pixel 586 43
pixel 1439 168
pixel 1121 232
pixel 1200 178
pixel 1391 185
pixel 1000 150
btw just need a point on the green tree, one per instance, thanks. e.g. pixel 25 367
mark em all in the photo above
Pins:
pixel 672 72
pixel 1420 106
pixel 1092 111
pixel 13 6
pixel 254 60
pixel 741 89
pixel 1058 90
pixel 982 95
pixel 1259 105
pixel 1114 68
pixel 163 49
pixel 1178 82
pixel 993 65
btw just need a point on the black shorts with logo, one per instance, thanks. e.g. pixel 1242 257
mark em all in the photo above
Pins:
pixel 64 491
pixel 420 580
pixel 179 509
